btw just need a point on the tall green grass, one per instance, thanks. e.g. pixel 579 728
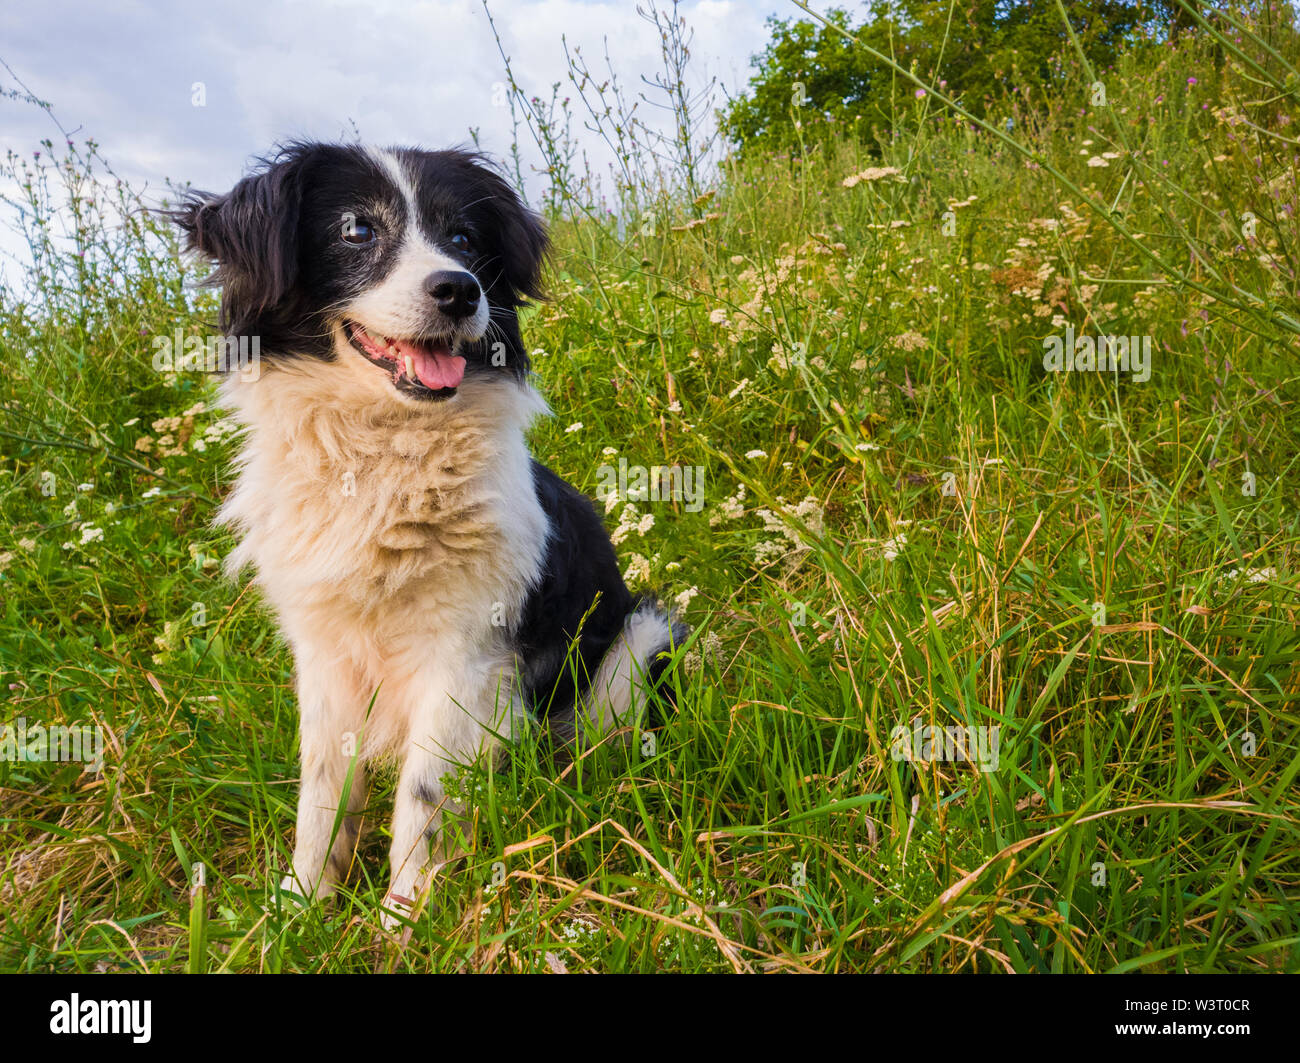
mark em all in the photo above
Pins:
pixel 908 519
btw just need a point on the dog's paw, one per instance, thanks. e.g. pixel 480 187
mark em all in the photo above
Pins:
pixel 293 892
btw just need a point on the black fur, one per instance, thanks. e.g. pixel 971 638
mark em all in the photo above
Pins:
pixel 580 569
pixel 578 610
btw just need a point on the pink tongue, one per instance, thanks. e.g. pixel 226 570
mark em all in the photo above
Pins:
pixel 436 369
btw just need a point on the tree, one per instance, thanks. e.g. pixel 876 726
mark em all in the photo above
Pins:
pixel 980 50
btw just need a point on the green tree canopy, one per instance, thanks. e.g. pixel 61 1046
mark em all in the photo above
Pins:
pixel 980 49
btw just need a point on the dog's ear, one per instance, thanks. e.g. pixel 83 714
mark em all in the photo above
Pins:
pixel 520 232
pixel 525 245
pixel 251 233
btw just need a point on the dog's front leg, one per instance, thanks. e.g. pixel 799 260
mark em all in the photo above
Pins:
pixel 329 743
pixel 446 730
pixel 421 806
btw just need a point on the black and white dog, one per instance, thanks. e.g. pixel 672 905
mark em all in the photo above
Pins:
pixel 414 553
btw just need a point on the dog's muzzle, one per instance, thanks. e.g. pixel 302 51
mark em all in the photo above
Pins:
pixel 423 368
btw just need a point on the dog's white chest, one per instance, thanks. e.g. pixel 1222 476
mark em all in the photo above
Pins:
pixel 400 529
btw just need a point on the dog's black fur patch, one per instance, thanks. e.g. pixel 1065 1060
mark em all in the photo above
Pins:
pixel 580 569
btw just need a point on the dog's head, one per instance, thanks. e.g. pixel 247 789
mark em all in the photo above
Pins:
pixel 415 261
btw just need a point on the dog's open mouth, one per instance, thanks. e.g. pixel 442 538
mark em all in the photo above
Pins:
pixel 425 368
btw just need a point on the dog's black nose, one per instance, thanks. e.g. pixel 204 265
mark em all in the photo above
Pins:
pixel 456 292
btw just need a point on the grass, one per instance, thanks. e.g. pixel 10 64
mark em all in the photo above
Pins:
pixel 907 519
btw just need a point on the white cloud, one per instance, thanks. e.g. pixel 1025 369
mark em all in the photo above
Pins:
pixel 403 72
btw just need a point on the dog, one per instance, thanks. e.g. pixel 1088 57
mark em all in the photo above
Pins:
pixel 438 587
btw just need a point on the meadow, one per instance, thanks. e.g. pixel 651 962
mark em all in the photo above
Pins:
pixel 908 522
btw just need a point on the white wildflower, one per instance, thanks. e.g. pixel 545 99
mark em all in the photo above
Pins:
pixel 638 571
pixel 732 509
pixel 891 548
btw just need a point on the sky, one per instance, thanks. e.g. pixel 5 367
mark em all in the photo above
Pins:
pixel 403 71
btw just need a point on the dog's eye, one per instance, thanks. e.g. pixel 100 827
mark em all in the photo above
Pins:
pixel 460 242
pixel 357 231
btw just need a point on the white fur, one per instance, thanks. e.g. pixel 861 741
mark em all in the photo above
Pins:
pixel 394 542
pixel 617 691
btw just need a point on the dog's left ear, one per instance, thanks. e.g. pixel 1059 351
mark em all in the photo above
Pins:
pixel 251 233
pixel 526 245
pixel 522 235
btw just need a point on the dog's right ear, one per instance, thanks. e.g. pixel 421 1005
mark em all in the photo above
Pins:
pixel 251 233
